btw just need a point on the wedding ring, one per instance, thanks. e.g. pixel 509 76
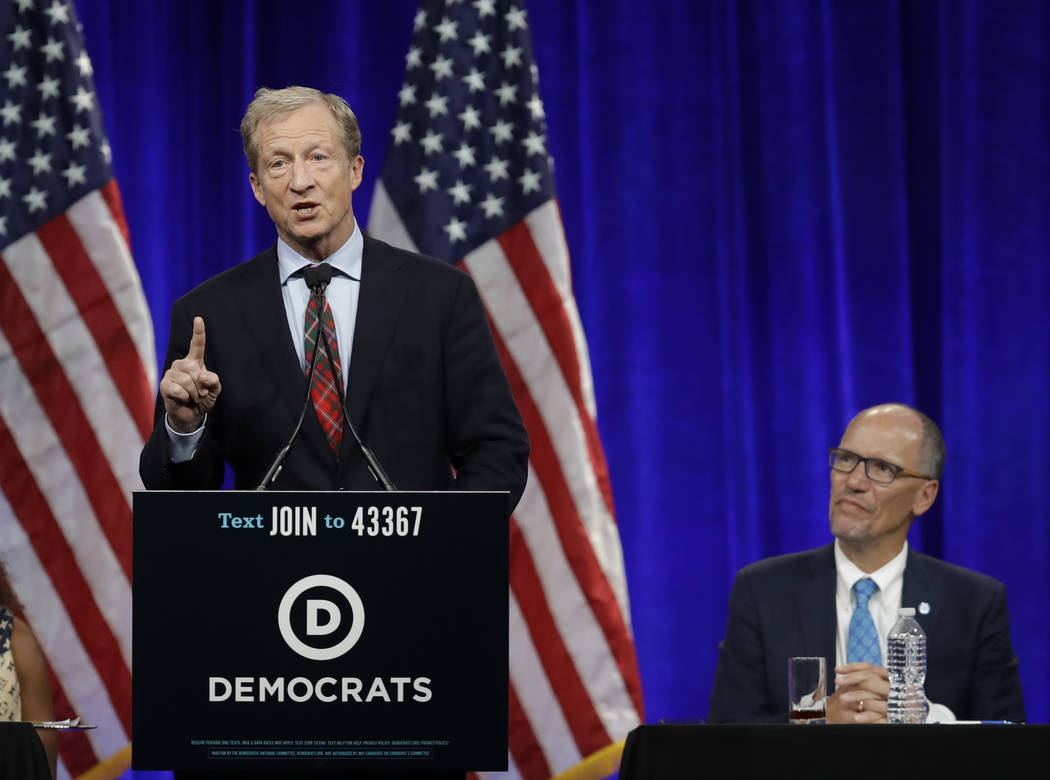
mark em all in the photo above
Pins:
pixel 860 706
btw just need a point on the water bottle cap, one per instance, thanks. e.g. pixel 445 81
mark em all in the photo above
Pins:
pixel 906 612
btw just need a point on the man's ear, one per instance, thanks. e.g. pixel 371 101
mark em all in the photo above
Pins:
pixel 357 168
pixel 925 497
pixel 257 189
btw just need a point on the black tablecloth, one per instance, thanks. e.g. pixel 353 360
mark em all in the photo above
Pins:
pixel 852 752
pixel 319 774
pixel 21 753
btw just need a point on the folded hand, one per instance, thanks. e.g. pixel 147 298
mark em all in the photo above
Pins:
pixel 861 693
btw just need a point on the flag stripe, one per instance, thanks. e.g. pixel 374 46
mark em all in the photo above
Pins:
pixel 57 637
pixel 512 772
pixel 549 309
pixel 59 401
pixel 99 313
pixel 570 530
pixel 579 628
pixel 545 224
pixel 498 287
pixel 98 219
pixel 58 561
pixel 78 357
pixel 536 283
pixel 548 235
pixel 547 722
pixel 110 193
pixel 587 728
pixel 580 546
pixel 54 475
pixel 74 747
pixel 384 221
pixel 524 747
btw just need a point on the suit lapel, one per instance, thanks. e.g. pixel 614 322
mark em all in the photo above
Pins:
pixel 261 307
pixel 815 607
pixel 920 590
pixel 383 290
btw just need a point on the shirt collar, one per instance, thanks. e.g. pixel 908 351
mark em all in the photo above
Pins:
pixel 346 259
pixel 849 573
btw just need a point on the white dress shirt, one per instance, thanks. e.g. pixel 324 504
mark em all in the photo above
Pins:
pixel 342 294
pixel 882 605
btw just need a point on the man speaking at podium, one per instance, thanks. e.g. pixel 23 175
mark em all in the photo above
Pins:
pixel 405 384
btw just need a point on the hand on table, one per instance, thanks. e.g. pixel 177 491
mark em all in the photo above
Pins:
pixel 861 692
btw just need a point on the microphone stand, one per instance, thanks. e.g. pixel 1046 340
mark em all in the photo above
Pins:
pixel 278 463
pixel 370 459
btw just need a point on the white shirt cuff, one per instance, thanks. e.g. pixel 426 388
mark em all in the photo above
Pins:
pixel 183 445
pixel 938 713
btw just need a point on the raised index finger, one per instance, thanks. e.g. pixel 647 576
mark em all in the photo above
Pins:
pixel 197 342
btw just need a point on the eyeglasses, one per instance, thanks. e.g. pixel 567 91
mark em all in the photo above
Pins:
pixel 877 470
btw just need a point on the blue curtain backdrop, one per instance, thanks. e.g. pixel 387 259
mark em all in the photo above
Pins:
pixel 779 213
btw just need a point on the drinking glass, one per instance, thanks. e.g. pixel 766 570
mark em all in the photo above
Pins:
pixel 807 689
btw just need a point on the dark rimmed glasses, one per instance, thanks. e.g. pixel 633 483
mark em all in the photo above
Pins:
pixel 876 469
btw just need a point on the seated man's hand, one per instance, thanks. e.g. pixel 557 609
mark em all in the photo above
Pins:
pixel 861 692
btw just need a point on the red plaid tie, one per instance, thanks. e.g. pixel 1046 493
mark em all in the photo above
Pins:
pixel 327 387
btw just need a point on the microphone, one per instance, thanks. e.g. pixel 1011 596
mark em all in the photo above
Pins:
pixel 317 278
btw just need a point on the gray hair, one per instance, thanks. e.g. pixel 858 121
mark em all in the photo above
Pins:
pixel 932 452
pixel 271 104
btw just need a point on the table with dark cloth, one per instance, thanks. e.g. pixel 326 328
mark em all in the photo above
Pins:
pixel 319 773
pixel 21 753
pixel 816 750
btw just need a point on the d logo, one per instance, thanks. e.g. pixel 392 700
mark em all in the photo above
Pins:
pixel 315 609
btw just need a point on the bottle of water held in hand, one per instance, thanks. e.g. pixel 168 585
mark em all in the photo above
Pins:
pixel 906 665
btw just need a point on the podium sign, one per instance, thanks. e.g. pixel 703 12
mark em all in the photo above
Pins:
pixel 320 632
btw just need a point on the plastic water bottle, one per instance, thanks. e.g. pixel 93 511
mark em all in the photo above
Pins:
pixel 906 665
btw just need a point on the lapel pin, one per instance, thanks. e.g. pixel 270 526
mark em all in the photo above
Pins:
pixel 924 608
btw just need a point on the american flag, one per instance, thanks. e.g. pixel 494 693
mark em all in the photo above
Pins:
pixel 77 368
pixel 468 178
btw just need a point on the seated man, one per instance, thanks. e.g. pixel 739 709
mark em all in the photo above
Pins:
pixel 884 473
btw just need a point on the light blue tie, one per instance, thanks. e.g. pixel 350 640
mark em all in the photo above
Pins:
pixel 863 643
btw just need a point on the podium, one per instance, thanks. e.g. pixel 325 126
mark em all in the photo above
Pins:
pixel 320 632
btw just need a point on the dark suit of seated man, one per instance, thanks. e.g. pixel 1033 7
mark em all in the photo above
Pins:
pixel 884 474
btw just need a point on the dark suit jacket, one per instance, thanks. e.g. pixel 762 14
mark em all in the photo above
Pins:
pixel 785 606
pixel 425 390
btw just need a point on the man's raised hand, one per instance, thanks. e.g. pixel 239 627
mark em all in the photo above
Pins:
pixel 188 388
